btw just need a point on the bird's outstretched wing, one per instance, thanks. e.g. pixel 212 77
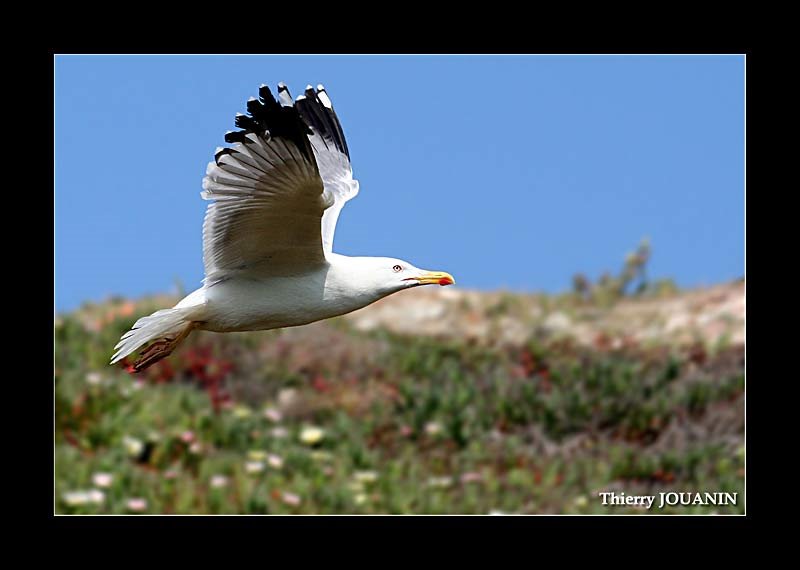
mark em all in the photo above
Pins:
pixel 268 195
pixel 279 189
pixel 333 157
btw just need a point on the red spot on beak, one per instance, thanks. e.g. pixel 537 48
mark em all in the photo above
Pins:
pixel 445 281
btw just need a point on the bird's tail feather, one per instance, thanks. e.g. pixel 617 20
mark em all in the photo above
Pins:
pixel 171 325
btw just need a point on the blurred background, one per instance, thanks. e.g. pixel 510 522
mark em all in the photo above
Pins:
pixel 590 208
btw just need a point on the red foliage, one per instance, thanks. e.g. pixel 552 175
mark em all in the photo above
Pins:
pixel 79 407
pixel 71 439
pixel 528 362
pixel 196 363
pixel 162 373
pixel 665 477
pixel 320 384
pixel 602 341
pixel 529 366
pixel 698 354
pixel 518 372
pixel 209 372
pixel 544 384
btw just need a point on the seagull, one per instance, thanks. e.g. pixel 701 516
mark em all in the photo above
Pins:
pixel 276 194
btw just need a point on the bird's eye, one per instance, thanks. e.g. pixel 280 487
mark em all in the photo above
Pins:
pixel 397 268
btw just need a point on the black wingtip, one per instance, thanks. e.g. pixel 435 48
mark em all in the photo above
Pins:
pixel 235 137
pixel 317 111
pixel 268 118
pixel 266 95
pixel 255 107
pixel 248 123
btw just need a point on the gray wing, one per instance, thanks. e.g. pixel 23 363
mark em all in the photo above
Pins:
pixel 269 197
pixel 332 156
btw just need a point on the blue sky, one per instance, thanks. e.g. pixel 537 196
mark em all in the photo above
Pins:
pixel 509 172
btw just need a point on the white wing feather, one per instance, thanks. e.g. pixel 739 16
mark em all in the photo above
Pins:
pixel 267 211
pixel 275 208
pixel 332 156
pixel 337 175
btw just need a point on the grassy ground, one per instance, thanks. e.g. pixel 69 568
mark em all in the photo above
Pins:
pixel 327 419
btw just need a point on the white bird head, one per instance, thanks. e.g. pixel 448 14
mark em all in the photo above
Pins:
pixel 403 274
pixel 387 275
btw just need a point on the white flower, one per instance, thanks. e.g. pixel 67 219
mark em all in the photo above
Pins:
pixel 433 428
pixel 287 398
pixel 320 456
pixel 136 504
pixel 274 461
pixel 256 455
pixel 96 496
pixel 133 446
pixel 360 499
pixel 102 479
pixel 78 498
pixel 471 477
pixel 196 448
pixel 279 432
pixel 254 467
pixel 311 435
pixel 94 378
pixel 291 499
pixel 365 476
pixel 187 436
pixel 581 501
pixel 219 481
pixel 272 414
pixel 242 412
pixel 440 482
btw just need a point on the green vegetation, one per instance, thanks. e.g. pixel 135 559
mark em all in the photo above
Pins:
pixel 324 419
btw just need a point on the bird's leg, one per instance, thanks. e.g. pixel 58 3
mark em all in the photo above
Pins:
pixel 161 348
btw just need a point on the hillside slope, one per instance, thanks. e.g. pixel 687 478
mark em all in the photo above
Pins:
pixel 435 400
pixel 707 315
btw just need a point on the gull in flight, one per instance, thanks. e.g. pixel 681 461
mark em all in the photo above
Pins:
pixel 276 194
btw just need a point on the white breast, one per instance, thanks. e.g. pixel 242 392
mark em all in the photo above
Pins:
pixel 247 304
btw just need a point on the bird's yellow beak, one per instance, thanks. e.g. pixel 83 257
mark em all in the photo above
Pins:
pixel 434 278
